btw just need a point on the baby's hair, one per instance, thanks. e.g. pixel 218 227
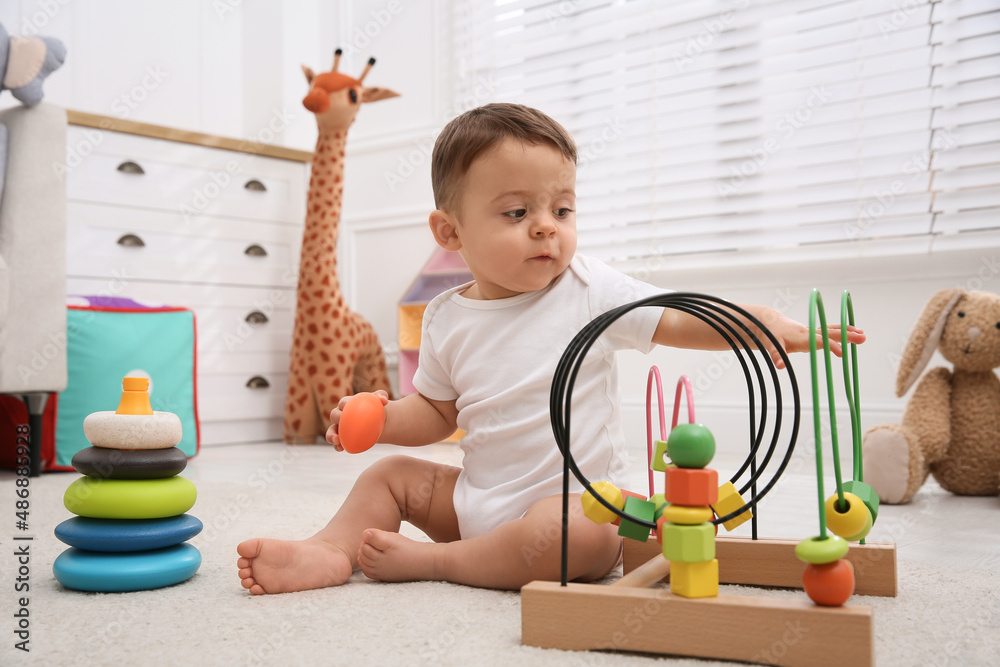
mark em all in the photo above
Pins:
pixel 480 130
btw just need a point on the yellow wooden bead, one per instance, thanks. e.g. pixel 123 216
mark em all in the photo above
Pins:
pixel 594 510
pixel 848 520
pixel 864 533
pixel 729 501
pixel 695 580
pixel 686 515
pixel 867 495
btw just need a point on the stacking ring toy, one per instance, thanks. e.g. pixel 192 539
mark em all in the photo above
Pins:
pixel 127 534
pixel 130 498
pixel 117 572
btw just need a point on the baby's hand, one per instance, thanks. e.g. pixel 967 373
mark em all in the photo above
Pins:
pixel 794 336
pixel 332 435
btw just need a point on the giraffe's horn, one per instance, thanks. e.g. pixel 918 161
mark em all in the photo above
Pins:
pixel 336 58
pixel 368 67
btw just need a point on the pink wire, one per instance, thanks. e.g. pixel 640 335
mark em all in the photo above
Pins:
pixel 683 382
pixel 688 394
pixel 653 372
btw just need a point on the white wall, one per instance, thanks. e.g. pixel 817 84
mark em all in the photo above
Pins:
pixel 227 67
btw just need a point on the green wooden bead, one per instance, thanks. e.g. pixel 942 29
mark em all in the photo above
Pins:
pixel 866 493
pixel 640 508
pixel 690 544
pixel 659 462
pixel 660 502
pixel 691 446
pixel 817 551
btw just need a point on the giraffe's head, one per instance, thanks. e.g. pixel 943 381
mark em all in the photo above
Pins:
pixel 335 97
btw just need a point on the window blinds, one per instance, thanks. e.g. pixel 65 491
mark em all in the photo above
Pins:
pixel 735 131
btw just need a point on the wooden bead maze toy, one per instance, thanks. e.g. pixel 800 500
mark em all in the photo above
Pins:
pixel 691 618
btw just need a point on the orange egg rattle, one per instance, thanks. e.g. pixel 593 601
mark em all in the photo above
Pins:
pixel 361 423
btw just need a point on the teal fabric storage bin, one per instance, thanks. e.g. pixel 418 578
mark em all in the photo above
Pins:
pixel 112 338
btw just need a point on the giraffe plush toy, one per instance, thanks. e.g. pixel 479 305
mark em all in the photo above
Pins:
pixel 335 352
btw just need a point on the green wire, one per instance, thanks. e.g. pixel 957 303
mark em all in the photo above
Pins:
pixel 816 306
pixel 851 381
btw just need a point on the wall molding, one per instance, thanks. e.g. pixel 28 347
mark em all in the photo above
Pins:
pixel 386 218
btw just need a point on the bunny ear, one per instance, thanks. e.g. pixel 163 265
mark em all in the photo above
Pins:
pixel 925 337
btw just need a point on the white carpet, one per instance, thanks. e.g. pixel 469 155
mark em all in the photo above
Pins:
pixel 941 617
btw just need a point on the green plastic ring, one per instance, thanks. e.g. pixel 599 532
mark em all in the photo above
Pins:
pixel 818 551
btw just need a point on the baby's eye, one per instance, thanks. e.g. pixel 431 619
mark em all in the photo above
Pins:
pixel 563 212
pixel 516 214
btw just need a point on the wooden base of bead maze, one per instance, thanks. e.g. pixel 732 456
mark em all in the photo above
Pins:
pixel 772 562
pixel 776 631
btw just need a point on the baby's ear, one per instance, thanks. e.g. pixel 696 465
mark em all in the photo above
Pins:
pixel 444 227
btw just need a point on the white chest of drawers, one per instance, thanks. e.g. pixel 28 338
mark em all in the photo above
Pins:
pixel 214 229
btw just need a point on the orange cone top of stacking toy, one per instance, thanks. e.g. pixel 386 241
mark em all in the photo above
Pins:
pixel 135 397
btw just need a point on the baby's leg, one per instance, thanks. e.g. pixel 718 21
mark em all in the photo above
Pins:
pixel 508 557
pixel 392 490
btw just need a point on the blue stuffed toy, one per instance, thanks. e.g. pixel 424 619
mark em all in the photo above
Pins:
pixel 25 62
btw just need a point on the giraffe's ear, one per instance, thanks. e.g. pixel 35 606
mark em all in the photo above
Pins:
pixel 309 75
pixel 376 94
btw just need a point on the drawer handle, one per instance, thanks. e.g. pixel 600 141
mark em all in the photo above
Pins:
pixel 130 167
pixel 255 185
pixel 256 317
pixel 258 382
pixel 255 251
pixel 131 241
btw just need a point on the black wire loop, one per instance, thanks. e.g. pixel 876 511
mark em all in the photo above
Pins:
pixel 729 321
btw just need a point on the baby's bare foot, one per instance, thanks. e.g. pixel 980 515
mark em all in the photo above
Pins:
pixel 391 557
pixel 277 566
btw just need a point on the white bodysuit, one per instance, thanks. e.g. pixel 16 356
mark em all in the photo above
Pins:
pixel 496 359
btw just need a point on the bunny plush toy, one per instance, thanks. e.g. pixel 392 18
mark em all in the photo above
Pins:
pixel 951 425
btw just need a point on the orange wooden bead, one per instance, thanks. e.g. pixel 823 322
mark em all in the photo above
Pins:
pixel 830 584
pixel 691 486
pixel 361 423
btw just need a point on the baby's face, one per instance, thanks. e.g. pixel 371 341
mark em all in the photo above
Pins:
pixel 517 219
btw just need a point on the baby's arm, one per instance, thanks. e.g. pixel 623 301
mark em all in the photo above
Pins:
pixel 679 329
pixel 412 421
